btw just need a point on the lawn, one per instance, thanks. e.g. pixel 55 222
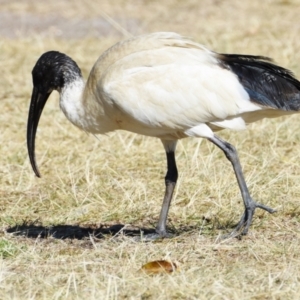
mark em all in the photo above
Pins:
pixel 73 233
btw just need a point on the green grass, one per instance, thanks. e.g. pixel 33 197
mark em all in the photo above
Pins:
pixel 8 249
pixel 56 238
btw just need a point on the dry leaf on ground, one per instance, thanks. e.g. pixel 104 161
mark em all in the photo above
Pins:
pixel 160 266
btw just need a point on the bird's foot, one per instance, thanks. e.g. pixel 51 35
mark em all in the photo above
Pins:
pixel 243 226
pixel 156 236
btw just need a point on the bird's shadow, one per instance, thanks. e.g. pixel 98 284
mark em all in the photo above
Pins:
pixel 35 229
pixel 77 232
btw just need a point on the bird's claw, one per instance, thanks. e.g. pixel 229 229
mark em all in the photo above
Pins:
pixel 243 225
pixel 153 237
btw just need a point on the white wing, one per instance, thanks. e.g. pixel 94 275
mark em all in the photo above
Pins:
pixel 175 89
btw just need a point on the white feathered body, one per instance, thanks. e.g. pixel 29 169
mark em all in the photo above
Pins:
pixel 161 85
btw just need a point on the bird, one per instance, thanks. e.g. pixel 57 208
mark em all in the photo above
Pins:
pixel 167 86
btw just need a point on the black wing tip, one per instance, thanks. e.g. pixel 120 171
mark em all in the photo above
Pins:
pixel 244 57
pixel 266 83
pixel 263 62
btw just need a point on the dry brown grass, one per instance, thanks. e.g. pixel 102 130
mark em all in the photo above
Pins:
pixel 118 179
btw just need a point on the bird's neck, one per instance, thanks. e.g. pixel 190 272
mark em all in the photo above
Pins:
pixel 72 104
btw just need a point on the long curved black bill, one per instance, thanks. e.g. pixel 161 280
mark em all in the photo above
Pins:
pixel 38 101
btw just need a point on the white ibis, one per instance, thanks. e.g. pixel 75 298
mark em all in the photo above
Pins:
pixel 166 86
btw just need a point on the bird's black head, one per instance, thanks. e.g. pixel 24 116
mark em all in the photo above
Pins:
pixel 52 71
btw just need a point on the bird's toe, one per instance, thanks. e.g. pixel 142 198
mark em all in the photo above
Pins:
pixel 152 237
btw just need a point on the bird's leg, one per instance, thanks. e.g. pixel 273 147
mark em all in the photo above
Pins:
pixel 250 204
pixel 170 181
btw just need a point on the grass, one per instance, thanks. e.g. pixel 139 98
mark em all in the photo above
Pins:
pixel 56 238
